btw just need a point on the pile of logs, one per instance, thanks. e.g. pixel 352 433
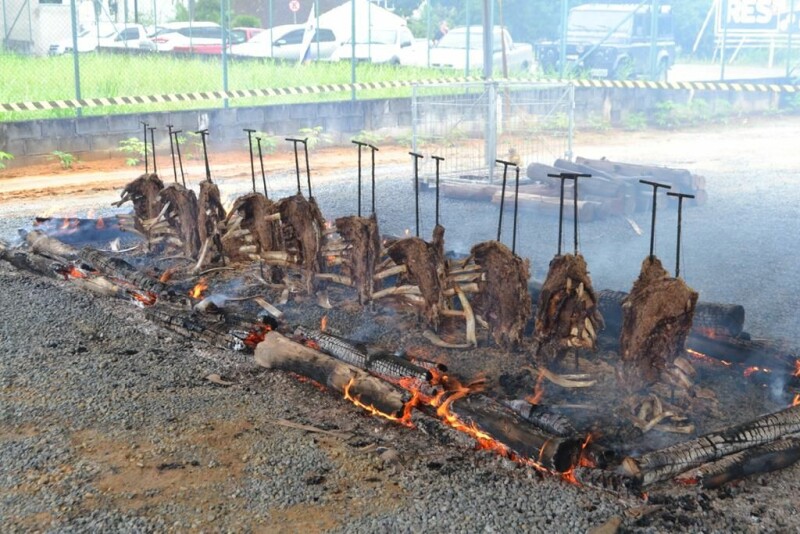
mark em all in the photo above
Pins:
pixel 613 190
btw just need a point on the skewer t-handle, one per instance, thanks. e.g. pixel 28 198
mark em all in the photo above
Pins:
pixel 172 152
pixel 416 157
pixel 203 134
pixel 153 146
pixel 655 186
pixel 680 197
pixel 294 142
pixel 178 150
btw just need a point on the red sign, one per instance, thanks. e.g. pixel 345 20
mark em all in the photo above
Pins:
pixel 294 6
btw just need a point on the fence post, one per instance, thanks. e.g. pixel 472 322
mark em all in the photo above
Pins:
pixel 271 35
pixel 722 55
pixel 792 22
pixel 563 52
pixel 353 50
pixel 75 62
pixel 466 68
pixel 223 15
pixel 428 30
pixel 136 11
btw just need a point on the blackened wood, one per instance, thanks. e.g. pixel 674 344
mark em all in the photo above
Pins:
pixel 278 352
pixel 774 355
pixel 503 300
pixel 118 268
pixel 28 261
pixel 542 417
pixel 612 481
pixel 520 437
pixel 758 460
pixel 567 316
pixel 335 346
pixel 666 463
pixel 657 318
pixel 364 240
pixel 426 269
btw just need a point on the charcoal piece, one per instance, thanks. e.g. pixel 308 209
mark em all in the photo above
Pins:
pixel 503 300
pixel 144 193
pixel 567 315
pixel 364 240
pixel 657 318
pixel 182 216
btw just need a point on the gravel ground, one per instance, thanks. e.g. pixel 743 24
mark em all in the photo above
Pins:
pixel 108 424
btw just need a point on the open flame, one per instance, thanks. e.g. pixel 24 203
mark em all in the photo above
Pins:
pixel 538 391
pixel 404 419
pixel 796 401
pixel 323 324
pixel 256 335
pixel 144 298
pixel 797 368
pixel 72 271
pixel 705 358
pixel 198 290
pixel 100 224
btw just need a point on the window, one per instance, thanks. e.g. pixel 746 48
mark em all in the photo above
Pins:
pixel 237 36
pixel 325 36
pixel 51 1
pixel 128 34
pixel 291 38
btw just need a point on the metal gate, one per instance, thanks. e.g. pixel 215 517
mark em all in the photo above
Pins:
pixel 473 124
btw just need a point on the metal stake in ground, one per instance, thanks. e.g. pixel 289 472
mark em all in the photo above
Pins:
pixel 172 153
pixel 575 177
pixel 250 133
pixel 203 135
pixel 153 146
pixel 263 174
pixel 506 165
pixel 416 157
pixel 297 161
pixel 180 159
pixel 680 197
pixel 146 161
pixel 438 159
pixel 374 149
pixel 562 177
pixel 655 186
pixel 360 146
pixel 516 206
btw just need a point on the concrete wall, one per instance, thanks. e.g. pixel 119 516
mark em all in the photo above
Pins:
pixel 99 136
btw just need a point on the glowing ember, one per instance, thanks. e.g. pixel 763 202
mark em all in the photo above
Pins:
pixel 71 271
pixel 796 401
pixel 323 324
pixel 538 391
pixel 256 335
pixel 198 290
pixel 708 359
pixel 144 298
pixel 583 461
pixel 167 274
pixel 752 370
pixel 405 419
pixel 100 224
pixel 797 368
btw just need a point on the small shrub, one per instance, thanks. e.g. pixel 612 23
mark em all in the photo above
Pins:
pixel 368 137
pixel 5 156
pixel 134 147
pixel 195 147
pixel 268 142
pixel 315 136
pixel 663 114
pixel 598 123
pixel 66 159
pixel 634 121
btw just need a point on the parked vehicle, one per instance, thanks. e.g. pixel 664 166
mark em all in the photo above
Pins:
pixel 286 42
pixel 393 46
pixel 174 34
pixel 104 35
pixel 612 41
pixel 237 36
pixel 451 51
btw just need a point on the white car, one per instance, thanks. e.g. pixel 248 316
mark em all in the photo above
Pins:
pixel 182 34
pixel 104 35
pixel 451 52
pixel 286 42
pixel 395 46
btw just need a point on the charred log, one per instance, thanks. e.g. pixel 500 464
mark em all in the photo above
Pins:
pixel 364 240
pixel 182 216
pixel 303 226
pixel 710 318
pixel 426 269
pixel 336 347
pixel 28 261
pixel 611 481
pixel 144 193
pixel 666 463
pixel 119 268
pixel 758 460
pixel 657 317
pixel 542 417
pixel 278 352
pixel 761 352
pixel 567 316
pixel 503 298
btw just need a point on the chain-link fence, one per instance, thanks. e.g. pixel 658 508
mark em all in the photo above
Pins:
pixel 472 124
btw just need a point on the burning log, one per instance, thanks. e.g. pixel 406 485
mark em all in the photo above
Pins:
pixel 773 355
pixel 666 463
pixel 503 298
pixel 710 318
pixel 278 352
pixel 210 215
pixel 567 316
pixel 144 193
pixel 28 261
pixel 256 217
pixel 542 417
pixel 426 268
pixel 758 460
pixel 182 217
pixel 303 224
pixel 364 241
pixel 657 317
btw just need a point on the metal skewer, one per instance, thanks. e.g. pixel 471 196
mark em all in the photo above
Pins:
pixel 172 152
pixel 250 133
pixel 655 186
pixel 416 157
pixel 575 177
pixel 506 165
pixel 680 197
pixel 153 145
pixel 180 159
pixel 438 159
pixel 374 149
pixel 516 207
pixel 146 161
pixel 263 174
pixel 294 142
pixel 203 135
pixel 360 146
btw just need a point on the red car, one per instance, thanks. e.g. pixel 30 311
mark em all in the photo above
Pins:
pixel 237 36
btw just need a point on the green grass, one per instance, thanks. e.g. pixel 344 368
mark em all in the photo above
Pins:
pixel 29 78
